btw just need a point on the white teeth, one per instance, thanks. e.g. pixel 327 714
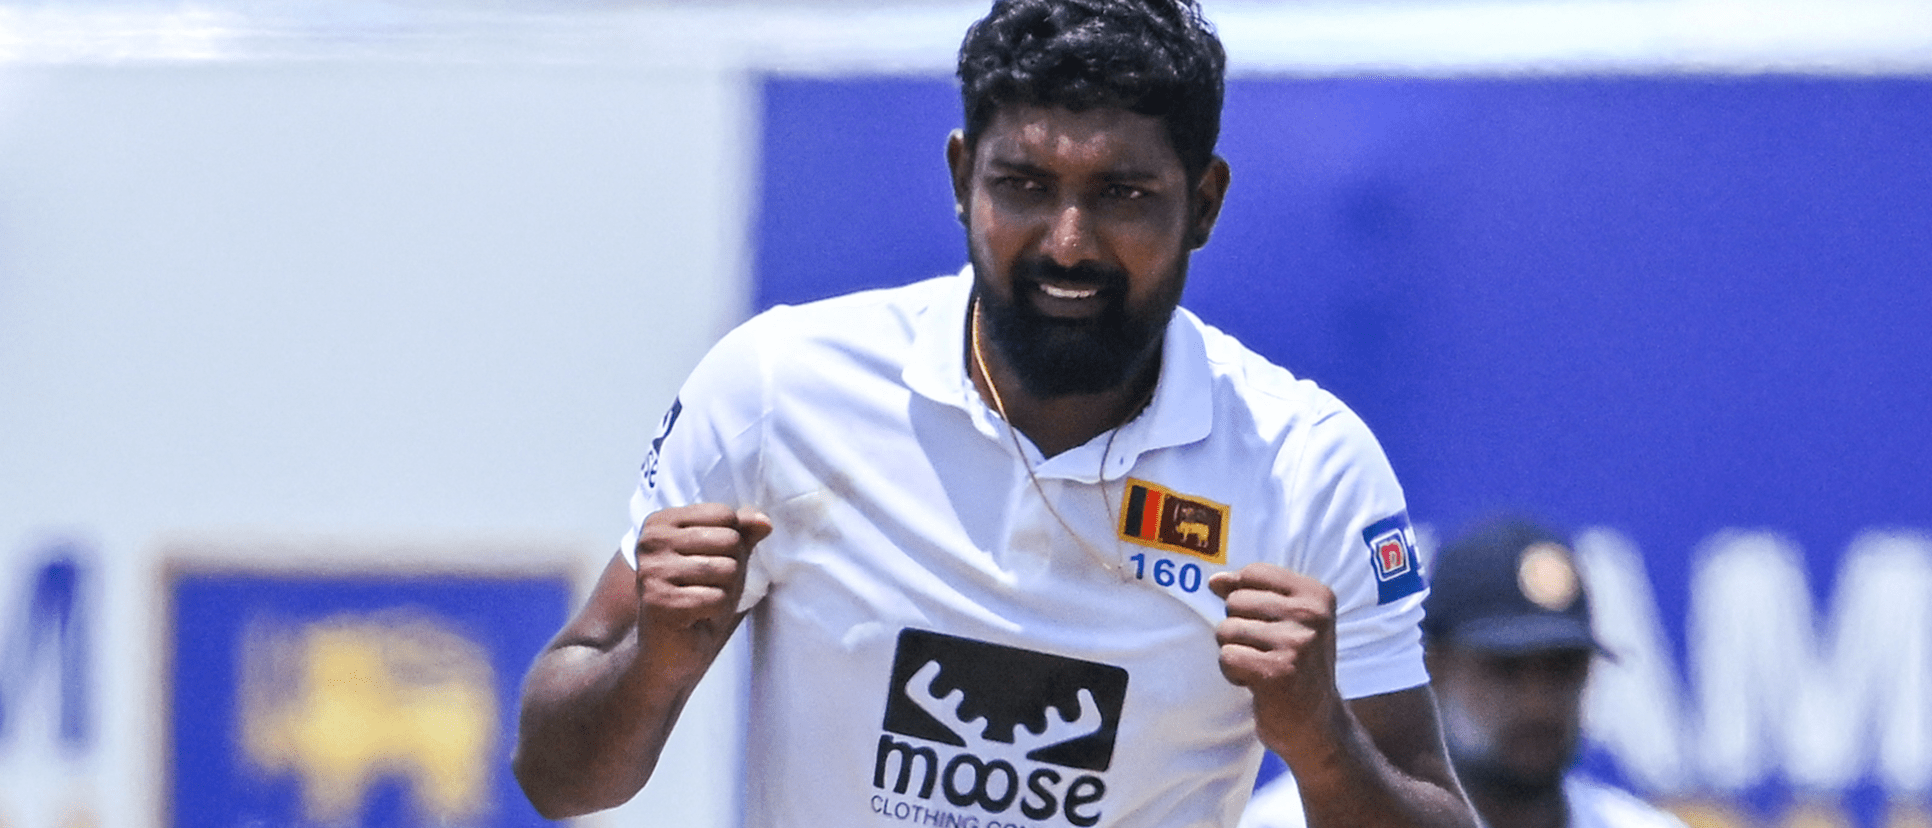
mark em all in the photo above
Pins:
pixel 1069 293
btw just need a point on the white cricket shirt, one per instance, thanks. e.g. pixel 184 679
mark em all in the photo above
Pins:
pixel 933 646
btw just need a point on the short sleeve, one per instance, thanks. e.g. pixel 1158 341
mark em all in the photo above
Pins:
pixel 706 446
pixel 1357 540
pixel 1276 805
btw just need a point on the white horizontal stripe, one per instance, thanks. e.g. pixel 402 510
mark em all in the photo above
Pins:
pixel 1495 37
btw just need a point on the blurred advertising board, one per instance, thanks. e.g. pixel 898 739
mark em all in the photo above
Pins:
pixel 382 695
pixel 51 766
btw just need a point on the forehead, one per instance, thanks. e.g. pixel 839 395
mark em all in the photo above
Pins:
pixel 1106 138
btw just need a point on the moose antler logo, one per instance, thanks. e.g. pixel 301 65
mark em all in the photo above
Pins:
pixel 1008 715
pixel 973 733
pixel 1003 701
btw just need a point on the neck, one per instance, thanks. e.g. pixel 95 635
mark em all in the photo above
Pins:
pixel 1054 424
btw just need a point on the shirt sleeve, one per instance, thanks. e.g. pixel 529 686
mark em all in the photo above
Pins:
pixel 1357 539
pixel 707 444
pixel 1276 805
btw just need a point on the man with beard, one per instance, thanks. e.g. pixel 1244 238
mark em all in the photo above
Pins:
pixel 1029 544
pixel 1510 643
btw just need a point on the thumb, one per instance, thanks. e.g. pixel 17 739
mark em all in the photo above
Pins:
pixel 753 526
pixel 1224 583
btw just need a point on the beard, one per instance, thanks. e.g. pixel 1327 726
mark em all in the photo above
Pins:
pixel 1498 763
pixel 1055 357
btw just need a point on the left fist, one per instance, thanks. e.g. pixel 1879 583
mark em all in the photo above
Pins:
pixel 1279 642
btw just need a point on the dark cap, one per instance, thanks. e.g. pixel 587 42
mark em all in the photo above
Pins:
pixel 1511 586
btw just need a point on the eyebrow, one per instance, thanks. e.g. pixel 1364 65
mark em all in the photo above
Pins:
pixel 1000 165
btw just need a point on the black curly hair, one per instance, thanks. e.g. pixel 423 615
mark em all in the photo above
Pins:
pixel 1159 58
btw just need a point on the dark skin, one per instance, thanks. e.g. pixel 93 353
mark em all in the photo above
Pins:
pixel 1100 185
pixel 1371 761
pixel 602 698
pixel 1514 721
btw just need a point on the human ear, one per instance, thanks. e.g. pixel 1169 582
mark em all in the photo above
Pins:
pixel 959 162
pixel 1209 193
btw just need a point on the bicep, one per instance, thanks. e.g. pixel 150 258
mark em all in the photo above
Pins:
pixel 1407 732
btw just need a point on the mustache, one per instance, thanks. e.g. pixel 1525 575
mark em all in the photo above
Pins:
pixel 1094 274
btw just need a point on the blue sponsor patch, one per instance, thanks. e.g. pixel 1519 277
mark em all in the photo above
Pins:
pixel 1397 572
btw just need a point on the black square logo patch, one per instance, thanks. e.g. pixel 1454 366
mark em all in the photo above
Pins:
pixel 999 700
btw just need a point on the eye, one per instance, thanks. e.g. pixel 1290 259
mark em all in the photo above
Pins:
pixel 1019 184
pixel 1125 192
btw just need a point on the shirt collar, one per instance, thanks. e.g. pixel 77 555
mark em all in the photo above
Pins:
pixel 1181 411
pixel 937 367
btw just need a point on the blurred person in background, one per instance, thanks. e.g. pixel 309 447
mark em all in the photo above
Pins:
pixel 1509 644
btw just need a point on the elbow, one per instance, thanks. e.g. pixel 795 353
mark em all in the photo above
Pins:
pixel 554 791
pixel 533 781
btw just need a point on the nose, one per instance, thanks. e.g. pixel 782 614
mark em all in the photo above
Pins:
pixel 1550 690
pixel 1070 238
pixel 1546 699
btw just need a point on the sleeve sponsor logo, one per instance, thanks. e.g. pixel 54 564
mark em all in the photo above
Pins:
pixel 1392 555
pixel 649 471
pixel 1157 517
pixel 996 729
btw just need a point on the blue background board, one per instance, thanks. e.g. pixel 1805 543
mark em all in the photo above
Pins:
pixel 1671 304
pixel 853 187
pixel 213 782
pixel 1664 304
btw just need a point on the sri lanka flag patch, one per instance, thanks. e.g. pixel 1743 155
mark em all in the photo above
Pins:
pixel 1156 517
pixel 1392 555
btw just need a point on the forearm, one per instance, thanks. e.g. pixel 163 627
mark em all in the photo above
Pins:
pixel 1350 778
pixel 593 724
pixel 601 700
pixel 1359 788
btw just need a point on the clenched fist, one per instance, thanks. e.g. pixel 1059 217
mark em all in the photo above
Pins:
pixel 690 573
pixel 1279 642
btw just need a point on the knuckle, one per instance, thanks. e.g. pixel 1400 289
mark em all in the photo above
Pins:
pixel 1324 595
pixel 1226 635
pixel 673 602
pixel 1234 659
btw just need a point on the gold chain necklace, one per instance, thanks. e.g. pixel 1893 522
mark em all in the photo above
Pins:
pixel 1012 431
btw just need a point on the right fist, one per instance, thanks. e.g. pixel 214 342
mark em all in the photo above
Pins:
pixel 691 566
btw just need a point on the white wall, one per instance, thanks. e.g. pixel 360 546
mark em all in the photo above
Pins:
pixel 434 303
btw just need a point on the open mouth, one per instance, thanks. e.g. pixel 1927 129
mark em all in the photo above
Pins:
pixel 1069 301
pixel 1058 292
pixel 1080 292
